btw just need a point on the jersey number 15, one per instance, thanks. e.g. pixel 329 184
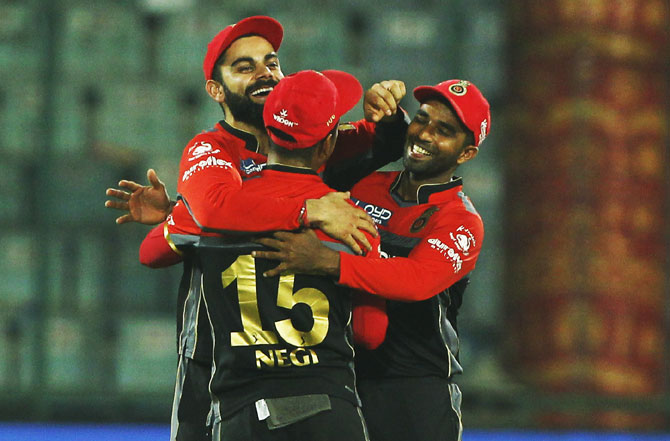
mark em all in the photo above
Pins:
pixel 244 271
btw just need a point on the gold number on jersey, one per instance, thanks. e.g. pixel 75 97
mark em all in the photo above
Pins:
pixel 318 303
pixel 244 271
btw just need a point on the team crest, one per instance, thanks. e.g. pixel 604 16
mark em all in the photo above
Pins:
pixel 422 220
pixel 460 88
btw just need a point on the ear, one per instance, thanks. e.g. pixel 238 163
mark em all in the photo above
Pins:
pixel 215 90
pixel 326 146
pixel 468 153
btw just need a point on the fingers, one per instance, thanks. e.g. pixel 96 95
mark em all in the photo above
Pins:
pixel 360 238
pixel 271 255
pixel 119 194
pixel 268 242
pixel 155 182
pixel 276 271
pixel 117 205
pixel 365 223
pixel 123 219
pixel 396 88
pixel 379 102
pixel 351 243
pixel 382 99
pixel 130 185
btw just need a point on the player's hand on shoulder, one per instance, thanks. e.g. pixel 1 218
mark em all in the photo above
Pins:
pixel 337 217
pixel 299 252
pixel 381 101
pixel 147 205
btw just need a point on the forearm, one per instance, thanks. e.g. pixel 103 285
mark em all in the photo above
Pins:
pixel 400 278
pixel 156 250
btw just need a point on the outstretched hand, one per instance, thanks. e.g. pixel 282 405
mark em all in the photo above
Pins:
pixel 299 252
pixel 381 101
pixel 147 205
pixel 335 216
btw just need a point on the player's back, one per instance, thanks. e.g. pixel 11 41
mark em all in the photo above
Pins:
pixel 273 337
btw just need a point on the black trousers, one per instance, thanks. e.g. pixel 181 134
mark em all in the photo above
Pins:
pixel 417 409
pixel 192 402
pixel 343 422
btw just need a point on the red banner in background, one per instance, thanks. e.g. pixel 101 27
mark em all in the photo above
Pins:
pixel 586 213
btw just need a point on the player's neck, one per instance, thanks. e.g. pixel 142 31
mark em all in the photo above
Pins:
pixel 410 183
pixel 274 158
pixel 261 135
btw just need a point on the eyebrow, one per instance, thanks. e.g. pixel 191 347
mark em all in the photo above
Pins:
pixel 443 124
pixel 267 57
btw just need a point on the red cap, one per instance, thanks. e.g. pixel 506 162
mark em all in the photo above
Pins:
pixel 468 102
pixel 266 27
pixel 307 105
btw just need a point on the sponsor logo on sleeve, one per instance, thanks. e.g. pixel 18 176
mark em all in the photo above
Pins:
pixel 447 252
pixel 380 215
pixel 200 149
pixel 210 162
pixel 463 239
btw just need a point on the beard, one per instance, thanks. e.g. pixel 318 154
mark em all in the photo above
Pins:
pixel 243 108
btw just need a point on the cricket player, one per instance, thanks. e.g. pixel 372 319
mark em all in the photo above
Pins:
pixel 282 363
pixel 431 236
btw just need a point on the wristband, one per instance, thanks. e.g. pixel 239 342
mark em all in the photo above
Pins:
pixel 302 217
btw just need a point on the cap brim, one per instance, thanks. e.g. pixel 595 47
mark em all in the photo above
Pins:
pixel 349 90
pixel 423 93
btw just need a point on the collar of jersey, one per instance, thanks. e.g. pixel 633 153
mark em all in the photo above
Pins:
pixel 425 191
pixel 291 169
pixel 251 143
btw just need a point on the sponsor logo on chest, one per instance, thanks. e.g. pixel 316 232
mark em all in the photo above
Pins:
pixel 249 167
pixel 378 214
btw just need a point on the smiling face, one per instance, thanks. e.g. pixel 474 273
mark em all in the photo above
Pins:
pixel 436 143
pixel 248 72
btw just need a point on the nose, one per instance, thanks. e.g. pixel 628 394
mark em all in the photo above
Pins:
pixel 263 71
pixel 425 133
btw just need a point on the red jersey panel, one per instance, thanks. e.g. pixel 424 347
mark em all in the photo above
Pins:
pixel 442 221
pixel 215 163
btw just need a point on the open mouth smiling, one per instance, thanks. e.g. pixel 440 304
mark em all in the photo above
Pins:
pixel 419 151
pixel 263 91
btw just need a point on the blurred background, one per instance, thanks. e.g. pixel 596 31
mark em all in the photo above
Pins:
pixel 566 324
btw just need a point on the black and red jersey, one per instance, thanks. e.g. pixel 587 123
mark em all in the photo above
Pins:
pixel 434 241
pixel 213 168
pixel 271 337
pixel 215 164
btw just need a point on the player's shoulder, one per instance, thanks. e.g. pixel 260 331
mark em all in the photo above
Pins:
pixel 208 141
pixel 459 213
pixel 377 179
